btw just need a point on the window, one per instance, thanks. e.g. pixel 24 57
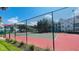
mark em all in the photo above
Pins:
pixel 77 17
pixel 68 26
pixel 62 26
pixel 77 29
pixel 77 25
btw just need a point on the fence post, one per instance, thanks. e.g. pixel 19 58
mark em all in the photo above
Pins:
pixel 53 32
pixel 5 31
pixel 26 31
pixel 15 31
pixel 9 33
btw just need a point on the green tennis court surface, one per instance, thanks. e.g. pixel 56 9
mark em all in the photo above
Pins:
pixel 39 35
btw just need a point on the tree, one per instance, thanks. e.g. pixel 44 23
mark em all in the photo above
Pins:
pixel 43 26
pixel 22 28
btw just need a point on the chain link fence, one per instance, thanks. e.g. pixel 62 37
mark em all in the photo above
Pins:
pixel 46 31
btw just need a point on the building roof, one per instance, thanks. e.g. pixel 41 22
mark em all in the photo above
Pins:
pixel 8 25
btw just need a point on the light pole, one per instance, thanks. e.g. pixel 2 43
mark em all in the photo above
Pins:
pixel 26 31
pixel 53 32
pixel 73 20
pixel 53 27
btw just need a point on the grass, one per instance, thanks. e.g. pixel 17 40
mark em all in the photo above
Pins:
pixel 4 46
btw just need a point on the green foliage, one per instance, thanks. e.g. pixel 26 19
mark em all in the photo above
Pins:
pixel 31 29
pixel 22 28
pixel 20 44
pixel 43 26
pixel 10 40
pixel 24 46
pixel 7 40
pixel 47 49
pixel 13 41
pixel 31 47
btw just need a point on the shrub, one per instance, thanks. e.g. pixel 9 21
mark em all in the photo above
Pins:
pixel 7 40
pixel 31 47
pixel 20 44
pixel 13 41
pixel 47 49
pixel 10 40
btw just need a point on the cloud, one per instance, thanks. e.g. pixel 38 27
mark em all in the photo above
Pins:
pixel 20 23
pixel 32 23
pixel 13 20
pixel 48 16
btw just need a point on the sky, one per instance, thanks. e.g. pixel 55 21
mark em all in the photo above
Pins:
pixel 16 14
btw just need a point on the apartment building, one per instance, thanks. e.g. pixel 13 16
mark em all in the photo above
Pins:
pixel 69 25
pixel 1 26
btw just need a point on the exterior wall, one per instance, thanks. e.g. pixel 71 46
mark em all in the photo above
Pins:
pixel 68 25
pixel 63 26
pixel 77 24
pixel 1 26
pixel 57 27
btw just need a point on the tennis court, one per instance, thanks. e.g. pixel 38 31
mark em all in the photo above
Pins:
pixel 63 41
pixel 42 40
pixel 37 35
